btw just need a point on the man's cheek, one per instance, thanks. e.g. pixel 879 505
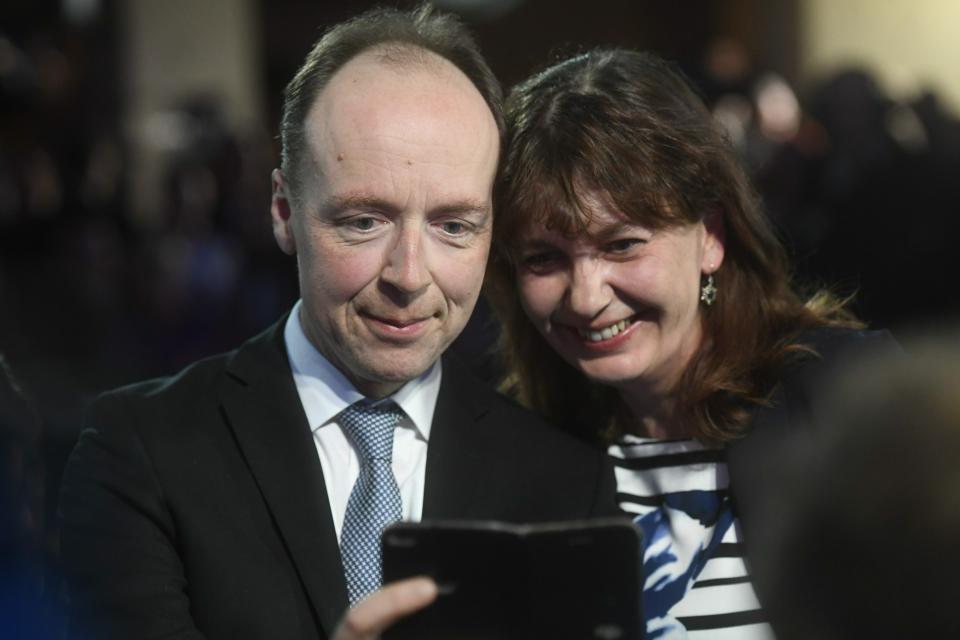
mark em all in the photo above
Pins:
pixel 344 278
pixel 463 290
pixel 464 278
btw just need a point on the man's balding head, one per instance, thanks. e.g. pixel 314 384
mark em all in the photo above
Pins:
pixel 399 38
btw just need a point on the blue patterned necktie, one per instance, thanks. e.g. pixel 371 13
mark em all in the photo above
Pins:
pixel 375 499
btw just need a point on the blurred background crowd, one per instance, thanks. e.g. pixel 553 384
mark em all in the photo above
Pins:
pixel 136 141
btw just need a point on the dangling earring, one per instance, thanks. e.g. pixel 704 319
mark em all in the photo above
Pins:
pixel 708 292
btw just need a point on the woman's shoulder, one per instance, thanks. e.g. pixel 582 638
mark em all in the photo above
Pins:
pixel 831 342
pixel 823 354
pixel 823 351
pixel 793 408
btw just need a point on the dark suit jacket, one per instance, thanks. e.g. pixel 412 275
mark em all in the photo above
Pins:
pixel 194 506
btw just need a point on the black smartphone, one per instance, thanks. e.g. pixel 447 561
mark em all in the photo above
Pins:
pixel 496 580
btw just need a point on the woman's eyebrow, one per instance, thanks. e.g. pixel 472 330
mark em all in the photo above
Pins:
pixel 535 244
pixel 614 230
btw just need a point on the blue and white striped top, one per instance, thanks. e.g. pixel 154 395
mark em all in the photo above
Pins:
pixel 696 584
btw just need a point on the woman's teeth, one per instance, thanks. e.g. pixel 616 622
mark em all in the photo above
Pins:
pixel 606 333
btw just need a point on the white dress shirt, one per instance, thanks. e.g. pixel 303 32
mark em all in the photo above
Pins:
pixel 325 392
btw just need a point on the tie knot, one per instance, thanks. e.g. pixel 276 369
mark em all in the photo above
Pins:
pixel 370 427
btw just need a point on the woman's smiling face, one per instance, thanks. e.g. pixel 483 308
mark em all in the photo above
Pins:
pixel 619 302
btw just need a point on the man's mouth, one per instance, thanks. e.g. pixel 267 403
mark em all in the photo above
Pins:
pixel 400 323
pixel 396 326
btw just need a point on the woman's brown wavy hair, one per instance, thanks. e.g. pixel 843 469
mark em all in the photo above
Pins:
pixel 628 124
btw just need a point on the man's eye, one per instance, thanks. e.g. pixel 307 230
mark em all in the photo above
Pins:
pixel 453 227
pixel 365 223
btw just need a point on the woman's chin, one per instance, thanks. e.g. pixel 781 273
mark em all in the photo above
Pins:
pixel 611 374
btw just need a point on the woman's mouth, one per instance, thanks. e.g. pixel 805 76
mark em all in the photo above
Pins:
pixel 605 333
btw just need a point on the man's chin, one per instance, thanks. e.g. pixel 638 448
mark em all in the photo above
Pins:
pixel 384 378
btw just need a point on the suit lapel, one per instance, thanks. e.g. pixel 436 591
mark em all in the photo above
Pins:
pixel 265 413
pixel 459 454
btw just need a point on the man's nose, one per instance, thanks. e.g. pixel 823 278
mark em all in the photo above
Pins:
pixel 588 292
pixel 406 265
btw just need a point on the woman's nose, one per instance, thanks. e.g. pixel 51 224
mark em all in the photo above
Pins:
pixel 588 292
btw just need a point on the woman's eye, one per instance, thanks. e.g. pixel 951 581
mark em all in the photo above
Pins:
pixel 541 261
pixel 623 245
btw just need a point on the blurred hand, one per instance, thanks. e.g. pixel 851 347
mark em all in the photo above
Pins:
pixel 371 616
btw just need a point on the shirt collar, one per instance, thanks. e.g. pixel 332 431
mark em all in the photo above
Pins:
pixel 325 392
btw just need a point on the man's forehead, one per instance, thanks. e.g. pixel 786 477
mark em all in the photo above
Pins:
pixel 431 112
pixel 402 71
pixel 402 57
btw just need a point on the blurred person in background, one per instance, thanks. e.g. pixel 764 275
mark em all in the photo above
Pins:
pixel 26 604
pixel 863 512
pixel 648 305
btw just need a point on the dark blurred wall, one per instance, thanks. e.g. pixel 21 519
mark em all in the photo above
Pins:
pixel 91 297
pixel 97 290
pixel 534 32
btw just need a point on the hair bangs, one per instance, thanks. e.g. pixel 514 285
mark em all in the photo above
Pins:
pixel 614 161
pixel 539 189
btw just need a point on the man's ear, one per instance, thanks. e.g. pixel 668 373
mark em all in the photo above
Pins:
pixel 281 212
pixel 714 241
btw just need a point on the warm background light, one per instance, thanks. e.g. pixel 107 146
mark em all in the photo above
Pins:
pixel 910 45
